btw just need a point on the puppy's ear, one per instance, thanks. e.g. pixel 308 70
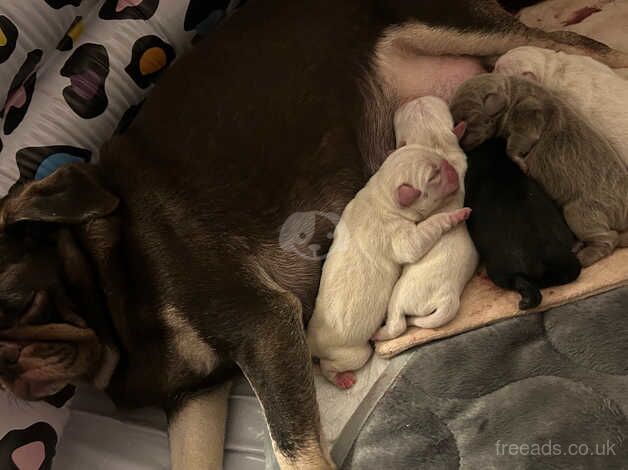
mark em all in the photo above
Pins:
pixel 71 195
pixel 407 194
pixel 530 76
pixel 494 103
pixel 460 129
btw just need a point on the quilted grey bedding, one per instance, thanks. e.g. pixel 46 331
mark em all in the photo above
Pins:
pixel 545 391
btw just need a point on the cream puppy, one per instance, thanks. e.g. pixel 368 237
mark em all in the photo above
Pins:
pixel 384 227
pixel 590 87
pixel 428 293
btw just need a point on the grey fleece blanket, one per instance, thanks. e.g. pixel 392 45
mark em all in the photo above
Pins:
pixel 545 391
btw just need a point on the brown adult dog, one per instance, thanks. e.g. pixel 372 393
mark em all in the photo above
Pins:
pixel 171 250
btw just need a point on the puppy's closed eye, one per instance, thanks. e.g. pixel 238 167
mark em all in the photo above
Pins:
pixel 494 103
pixel 434 175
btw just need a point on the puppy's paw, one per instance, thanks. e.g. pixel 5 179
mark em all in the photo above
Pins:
pixel 345 380
pixel 387 332
pixel 591 254
pixel 460 215
pixel 577 246
pixel 381 335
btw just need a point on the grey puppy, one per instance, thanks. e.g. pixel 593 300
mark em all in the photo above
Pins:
pixel 555 145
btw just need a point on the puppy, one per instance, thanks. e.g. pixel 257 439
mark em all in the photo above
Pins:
pixel 376 235
pixel 428 291
pixel 519 231
pixel 593 88
pixel 555 145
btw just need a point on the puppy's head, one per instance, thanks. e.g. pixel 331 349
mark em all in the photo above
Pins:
pixel 50 306
pixel 530 62
pixel 480 103
pixel 417 181
pixel 424 120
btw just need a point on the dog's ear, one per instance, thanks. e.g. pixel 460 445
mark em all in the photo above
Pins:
pixel 71 195
pixel 530 76
pixel 460 129
pixel 494 103
pixel 407 194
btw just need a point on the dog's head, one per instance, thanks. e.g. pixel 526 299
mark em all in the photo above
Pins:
pixel 480 103
pixel 52 312
pixel 417 180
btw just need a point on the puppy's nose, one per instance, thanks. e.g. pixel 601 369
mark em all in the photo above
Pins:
pixel 9 354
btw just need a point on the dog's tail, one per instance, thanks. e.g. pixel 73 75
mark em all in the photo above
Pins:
pixel 623 239
pixel 499 32
pixel 530 294
pixel 441 315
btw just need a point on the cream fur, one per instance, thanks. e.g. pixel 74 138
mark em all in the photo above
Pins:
pixel 428 291
pixel 594 89
pixel 374 238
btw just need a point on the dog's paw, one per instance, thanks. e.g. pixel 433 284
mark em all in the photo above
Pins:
pixel 345 380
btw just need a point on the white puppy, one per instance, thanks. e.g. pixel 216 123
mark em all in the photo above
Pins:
pixel 376 235
pixel 428 293
pixel 592 88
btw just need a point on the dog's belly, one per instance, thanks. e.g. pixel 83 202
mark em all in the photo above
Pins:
pixel 415 76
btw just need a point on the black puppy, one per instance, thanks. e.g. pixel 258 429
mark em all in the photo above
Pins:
pixel 517 228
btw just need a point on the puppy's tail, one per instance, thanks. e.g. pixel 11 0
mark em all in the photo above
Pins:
pixel 530 294
pixel 443 314
pixel 623 239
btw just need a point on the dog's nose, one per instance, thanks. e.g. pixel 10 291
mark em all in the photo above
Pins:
pixel 9 354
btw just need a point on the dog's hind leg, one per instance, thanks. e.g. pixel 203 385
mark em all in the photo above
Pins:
pixel 530 294
pixel 342 361
pixel 442 314
pixel 599 240
pixel 560 270
pixel 480 28
pixel 395 322
pixel 274 357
